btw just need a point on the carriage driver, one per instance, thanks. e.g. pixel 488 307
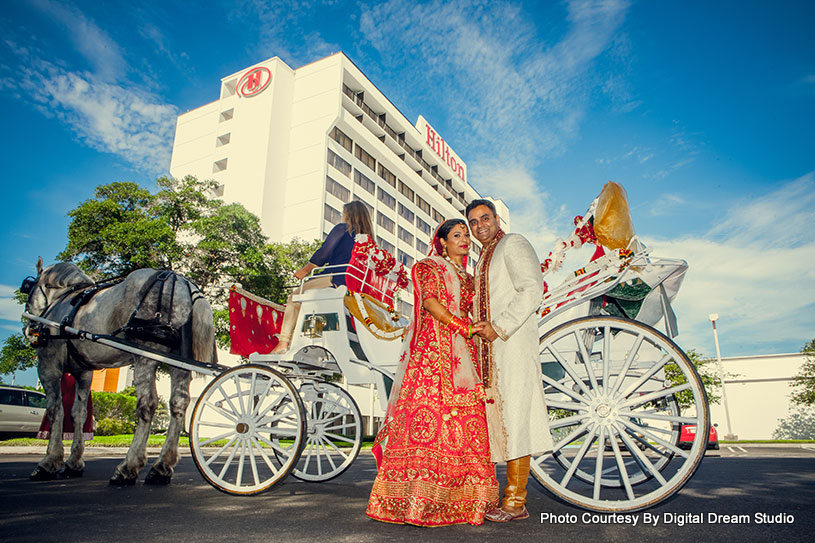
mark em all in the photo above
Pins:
pixel 335 250
pixel 508 291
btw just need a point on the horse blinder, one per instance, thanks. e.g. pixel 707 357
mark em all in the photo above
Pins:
pixel 28 285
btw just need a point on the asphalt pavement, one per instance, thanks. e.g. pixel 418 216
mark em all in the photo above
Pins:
pixel 767 493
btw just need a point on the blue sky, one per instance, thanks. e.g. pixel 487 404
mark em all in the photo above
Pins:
pixel 703 111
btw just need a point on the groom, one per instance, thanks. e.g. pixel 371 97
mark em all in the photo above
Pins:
pixel 509 287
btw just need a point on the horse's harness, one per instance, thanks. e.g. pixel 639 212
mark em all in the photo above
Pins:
pixel 151 329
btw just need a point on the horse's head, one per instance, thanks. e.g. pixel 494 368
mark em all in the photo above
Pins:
pixel 48 286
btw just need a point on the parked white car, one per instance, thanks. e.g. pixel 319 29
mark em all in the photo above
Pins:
pixel 21 410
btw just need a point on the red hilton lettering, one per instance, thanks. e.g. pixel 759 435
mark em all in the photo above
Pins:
pixel 252 80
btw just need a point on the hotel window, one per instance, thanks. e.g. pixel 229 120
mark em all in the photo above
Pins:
pixel 337 190
pixel 438 217
pixel 406 213
pixel 229 88
pixel 223 139
pixel 366 159
pixel 386 198
pixel 226 115
pixel 385 245
pixel 335 160
pixel 405 236
pixel 424 206
pixel 384 222
pixel 386 174
pixel 421 247
pixel 364 182
pixel 405 259
pixel 219 165
pixel 407 191
pixel 340 137
pixel 332 215
pixel 369 207
pixel 423 226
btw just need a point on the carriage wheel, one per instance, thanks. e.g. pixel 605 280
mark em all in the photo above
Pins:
pixel 334 434
pixel 615 418
pixel 247 430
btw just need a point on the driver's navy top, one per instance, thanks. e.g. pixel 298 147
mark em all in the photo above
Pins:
pixel 336 249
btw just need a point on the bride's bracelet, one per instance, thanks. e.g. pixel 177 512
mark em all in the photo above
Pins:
pixel 462 326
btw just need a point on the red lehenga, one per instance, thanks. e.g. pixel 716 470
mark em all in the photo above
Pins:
pixel 436 468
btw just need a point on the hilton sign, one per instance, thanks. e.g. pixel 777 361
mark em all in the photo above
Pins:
pixel 254 82
pixel 440 147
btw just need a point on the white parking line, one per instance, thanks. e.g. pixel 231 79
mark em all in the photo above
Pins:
pixel 734 451
pixel 810 447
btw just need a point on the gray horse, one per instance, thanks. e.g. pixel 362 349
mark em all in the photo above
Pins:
pixel 157 311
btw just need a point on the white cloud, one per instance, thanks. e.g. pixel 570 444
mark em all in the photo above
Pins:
pixel 783 218
pixel 285 29
pixel 91 41
pixel 506 92
pixel 754 269
pixel 10 310
pixel 131 123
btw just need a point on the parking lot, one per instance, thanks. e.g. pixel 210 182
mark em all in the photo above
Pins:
pixel 765 490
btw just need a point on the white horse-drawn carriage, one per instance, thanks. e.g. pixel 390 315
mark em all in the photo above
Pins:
pixel 618 390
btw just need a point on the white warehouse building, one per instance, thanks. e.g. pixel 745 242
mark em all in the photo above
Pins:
pixel 294 145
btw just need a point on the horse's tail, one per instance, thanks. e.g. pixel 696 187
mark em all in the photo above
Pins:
pixel 203 332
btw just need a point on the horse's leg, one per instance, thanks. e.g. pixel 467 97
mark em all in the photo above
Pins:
pixel 50 377
pixel 147 399
pixel 162 471
pixel 75 465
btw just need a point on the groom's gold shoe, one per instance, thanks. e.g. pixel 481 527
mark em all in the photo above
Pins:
pixel 513 506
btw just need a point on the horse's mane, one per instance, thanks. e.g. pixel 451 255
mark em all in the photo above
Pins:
pixel 66 274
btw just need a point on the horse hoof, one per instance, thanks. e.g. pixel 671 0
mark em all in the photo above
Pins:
pixel 42 474
pixel 156 478
pixel 69 473
pixel 121 480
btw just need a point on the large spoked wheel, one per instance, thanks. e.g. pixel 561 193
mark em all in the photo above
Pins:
pixel 617 393
pixel 247 430
pixel 334 434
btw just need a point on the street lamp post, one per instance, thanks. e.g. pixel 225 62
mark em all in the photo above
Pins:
pixel 730 435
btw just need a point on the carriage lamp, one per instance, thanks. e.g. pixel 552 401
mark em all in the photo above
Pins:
pixel 314 325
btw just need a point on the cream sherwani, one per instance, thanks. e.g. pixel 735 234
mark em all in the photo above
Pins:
pixel 516 418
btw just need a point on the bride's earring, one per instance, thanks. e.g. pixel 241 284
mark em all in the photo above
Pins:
pixel 444 250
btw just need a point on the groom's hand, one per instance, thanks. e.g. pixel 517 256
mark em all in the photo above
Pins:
pixel 487 331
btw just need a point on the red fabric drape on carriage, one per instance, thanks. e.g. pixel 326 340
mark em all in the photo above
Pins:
pixel 253 323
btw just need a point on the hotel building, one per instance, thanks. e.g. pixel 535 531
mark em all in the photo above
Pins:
pixel 294 145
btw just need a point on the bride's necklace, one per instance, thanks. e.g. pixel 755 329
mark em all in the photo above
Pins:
pixel 458 267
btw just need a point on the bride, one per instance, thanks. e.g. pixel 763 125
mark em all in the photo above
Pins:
pixel 436 468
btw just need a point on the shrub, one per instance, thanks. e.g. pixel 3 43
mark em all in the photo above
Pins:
pixel 115 413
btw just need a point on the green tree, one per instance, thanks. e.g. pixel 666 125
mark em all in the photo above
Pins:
pixel 799 424
pixel 707 374
pixel 126 227
pixel 116 232
pixel 17 355
pixel 803 384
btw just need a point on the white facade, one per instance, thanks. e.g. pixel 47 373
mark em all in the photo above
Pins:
pixel 293 146
pixel 758 394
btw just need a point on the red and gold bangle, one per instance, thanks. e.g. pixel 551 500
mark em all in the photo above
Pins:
pixel 462 326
